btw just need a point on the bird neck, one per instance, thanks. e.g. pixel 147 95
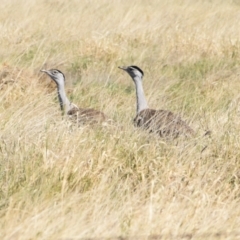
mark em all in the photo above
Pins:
pixel 63 100
pixel 141 100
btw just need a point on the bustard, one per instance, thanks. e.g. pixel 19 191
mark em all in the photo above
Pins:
pixel 163 122
pixel 81 115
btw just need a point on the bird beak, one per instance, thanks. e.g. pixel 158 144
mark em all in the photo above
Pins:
pixel 123 68
pixel 46 71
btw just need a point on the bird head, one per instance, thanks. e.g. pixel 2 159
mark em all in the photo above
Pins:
pixel 56 75
pixel 133 71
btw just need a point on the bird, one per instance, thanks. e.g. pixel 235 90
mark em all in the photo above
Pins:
pixel 80 115
pixel 162 122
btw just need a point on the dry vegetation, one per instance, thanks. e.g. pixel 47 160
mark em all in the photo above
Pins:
pixel 117 182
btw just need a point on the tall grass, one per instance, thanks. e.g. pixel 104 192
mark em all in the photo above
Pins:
pixel 117 182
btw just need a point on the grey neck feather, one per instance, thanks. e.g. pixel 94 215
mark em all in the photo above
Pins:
pixel 63 100
pixel 141 100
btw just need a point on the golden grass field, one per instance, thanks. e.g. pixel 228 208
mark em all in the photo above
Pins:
pixel 118 182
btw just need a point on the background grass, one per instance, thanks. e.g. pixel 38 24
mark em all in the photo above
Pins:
pixel 62 182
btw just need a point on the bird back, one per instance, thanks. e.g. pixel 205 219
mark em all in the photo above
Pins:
pixel 162 122
pixel 86 115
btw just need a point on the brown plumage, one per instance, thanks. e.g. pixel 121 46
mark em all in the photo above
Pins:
pixel 86 115
pixel 79 115
pixel 162 122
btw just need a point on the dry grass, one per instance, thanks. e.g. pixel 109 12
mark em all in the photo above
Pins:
pixel 117 182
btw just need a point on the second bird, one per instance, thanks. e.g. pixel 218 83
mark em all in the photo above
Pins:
pixel 81 115
pixel 163 122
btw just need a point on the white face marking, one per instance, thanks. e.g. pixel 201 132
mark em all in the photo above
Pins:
pixel 55 72
pixel 133 72
pixel 56 76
